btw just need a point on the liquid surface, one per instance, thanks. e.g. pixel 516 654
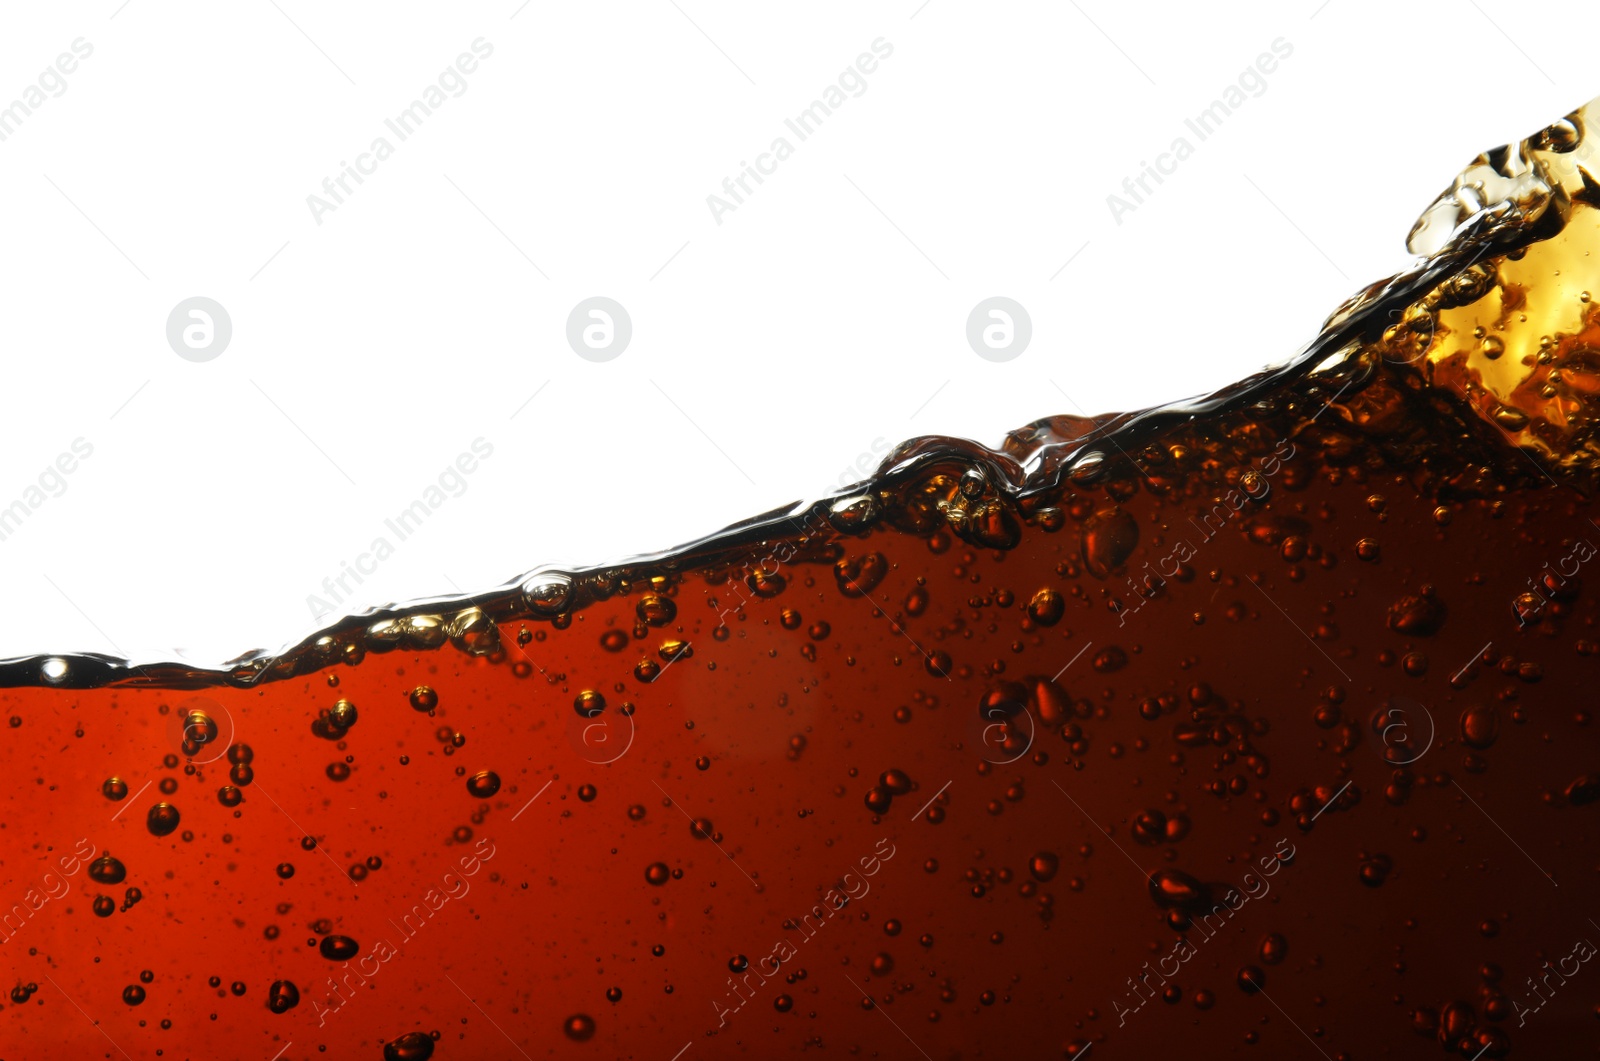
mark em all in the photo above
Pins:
pixel 1257 726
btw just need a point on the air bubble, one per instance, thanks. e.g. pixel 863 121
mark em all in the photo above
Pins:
pixel 412 1046
pixel 162 819
pixel 107 870
pixel 483 784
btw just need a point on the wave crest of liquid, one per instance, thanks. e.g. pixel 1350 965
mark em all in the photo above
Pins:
pixel 1475 372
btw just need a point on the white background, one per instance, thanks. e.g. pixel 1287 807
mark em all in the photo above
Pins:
pixel 769 352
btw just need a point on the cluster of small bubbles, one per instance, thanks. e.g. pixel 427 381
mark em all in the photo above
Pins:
pixel 332 723
pixel 241 773
pixel 1150 827
pixel 891 783
pixel 199 732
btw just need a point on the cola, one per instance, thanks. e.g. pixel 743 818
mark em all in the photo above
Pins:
pixel 1256 721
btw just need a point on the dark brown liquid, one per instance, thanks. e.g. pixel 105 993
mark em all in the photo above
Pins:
pixel 1255 727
